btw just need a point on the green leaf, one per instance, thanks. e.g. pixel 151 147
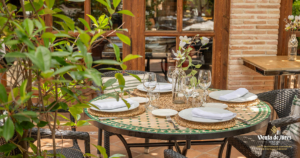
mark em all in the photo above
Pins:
pixel 84 53
pixel 49 3
pixel 103 2
pixel 64 89
pixel 63 105
pixel 11 7
pixel 198 66
pixel 109 68
pixel 43 54
pixel 7 147
pixel 23 88
pixel 121 80
pixel 29 114
pixel 62 35
pixel 60 54
pixel 93 19
pixel 102 150
pixel 109 82
pixel 3 94
pixel 82 123
pixel 75 111
pixel 127 104
pixel 135 76
pixel 19 128
pixel 64 69
pixel 64 18
pixel 130 57
pixel 124 38
pixel 90 155
pixel 8 129
pixel 97 36
pixel 15 55
pixel 33 147
pixel 35 60
pixel 126 12
pixel 27 125
pixel 117 51
pixel 47 73
pixel 107 62
pixel 48 35
pixel 123 66
pixel 64 117
pixel 42 124
pixel 85 23
pixel 28 25
pixel 116 3
pixel 14 92
pixel 85 38
pixel 117 156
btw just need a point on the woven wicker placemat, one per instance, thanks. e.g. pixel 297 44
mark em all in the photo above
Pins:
pixel 141 109
pixel 204 126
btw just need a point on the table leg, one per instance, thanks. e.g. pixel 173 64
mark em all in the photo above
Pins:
pixel 99 139
pixel 222 148
pixel 186 147
pixel 107 143
pixel 170 147
pixel 146 148
pixel 276 86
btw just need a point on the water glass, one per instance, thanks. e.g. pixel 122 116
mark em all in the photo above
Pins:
pixel 149 84
pixel 170 73
pixel 204 81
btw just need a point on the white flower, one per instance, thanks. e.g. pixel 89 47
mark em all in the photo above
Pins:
pixel 204 41
pixel 178 55
pixel 297 18
pixel 182 44
pixel 185 39
pixel 291 17
pixel 147 13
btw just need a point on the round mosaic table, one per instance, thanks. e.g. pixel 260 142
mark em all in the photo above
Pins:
pixel 150 127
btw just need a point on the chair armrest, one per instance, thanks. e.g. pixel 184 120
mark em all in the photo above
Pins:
pixel 285 121
pixel 172 154
pixel 46 133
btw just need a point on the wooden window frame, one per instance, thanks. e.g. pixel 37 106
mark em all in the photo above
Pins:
pixel 137 34
pixel 286 7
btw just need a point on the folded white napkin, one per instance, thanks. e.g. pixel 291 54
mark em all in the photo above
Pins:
pixel 112 104
pixel 197 112
pixel 235 94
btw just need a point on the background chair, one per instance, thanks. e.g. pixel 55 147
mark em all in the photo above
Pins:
pixel 281 101
pixel 169 153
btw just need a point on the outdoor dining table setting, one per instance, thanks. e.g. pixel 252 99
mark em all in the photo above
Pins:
pixel 206 113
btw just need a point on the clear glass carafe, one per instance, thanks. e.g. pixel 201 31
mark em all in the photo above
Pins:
pixel 177 80
pixel 292 48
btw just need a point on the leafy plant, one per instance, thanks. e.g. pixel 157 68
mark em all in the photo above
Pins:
pixel 37 63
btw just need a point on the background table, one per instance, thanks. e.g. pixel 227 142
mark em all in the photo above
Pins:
pixel 278 66
pixel 150 127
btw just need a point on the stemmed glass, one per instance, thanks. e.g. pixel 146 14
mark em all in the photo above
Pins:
pixel 188 87
pixel 204 80
pixel 150 83
pixel 170 73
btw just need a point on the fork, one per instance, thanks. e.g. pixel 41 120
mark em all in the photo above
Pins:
pixel 170 120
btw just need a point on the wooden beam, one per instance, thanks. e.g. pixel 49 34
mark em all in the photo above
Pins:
pixel 87 10
pixel 175 33
pixel 127 24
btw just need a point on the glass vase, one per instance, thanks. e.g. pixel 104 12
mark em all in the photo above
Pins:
pixel 292 48
pixel 178 76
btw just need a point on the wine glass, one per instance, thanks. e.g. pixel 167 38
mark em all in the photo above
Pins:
pixel 204 80
pixel 149 84
pixel 188 87
pixel 170 73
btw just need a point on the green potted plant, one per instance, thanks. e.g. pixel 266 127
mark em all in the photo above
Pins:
pixel 37 61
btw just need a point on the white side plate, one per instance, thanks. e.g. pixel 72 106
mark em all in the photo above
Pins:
pixel 164 112
pixel 215 105
pixel 245 98
pixel 133 106
pixel 187 115
pixel 140 99
pixel 141 88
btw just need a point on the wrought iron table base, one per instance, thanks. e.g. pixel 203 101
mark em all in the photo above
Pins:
pixel 187 145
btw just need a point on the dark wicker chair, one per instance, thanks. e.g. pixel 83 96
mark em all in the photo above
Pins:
pixel 281 101
pixel 169 153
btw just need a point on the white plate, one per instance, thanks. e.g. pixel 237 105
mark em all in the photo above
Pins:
pixel 164 112
pixel 133 106
pixel 141 88
pixel 245 98
pixel 215 105
pixel 187 115
pixel 140 99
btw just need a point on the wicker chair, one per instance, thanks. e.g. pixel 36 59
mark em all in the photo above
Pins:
pixel 169 153
pixel 281 101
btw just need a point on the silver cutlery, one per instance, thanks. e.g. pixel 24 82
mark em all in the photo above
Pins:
pixel 105 118
pixel 242 120
pixel 170 120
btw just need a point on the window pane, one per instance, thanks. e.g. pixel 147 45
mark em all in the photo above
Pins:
pixel 97 9
pixel 158 52
pixel 74 10
pixel 198 15
pixel 161 14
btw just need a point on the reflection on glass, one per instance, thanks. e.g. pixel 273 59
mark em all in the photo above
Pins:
pixel 158 50
pixel 198 15
pixel 161 14
pixel 105 49
pixel 73 10
pixel 98 9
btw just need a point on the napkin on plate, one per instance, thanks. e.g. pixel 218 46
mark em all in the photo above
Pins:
pixel 235 94
pixel 110 105
pixel 197 112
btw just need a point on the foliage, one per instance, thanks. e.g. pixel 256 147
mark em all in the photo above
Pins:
pixel 38 62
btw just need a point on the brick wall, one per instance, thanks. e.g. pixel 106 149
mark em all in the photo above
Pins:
pixel 253 32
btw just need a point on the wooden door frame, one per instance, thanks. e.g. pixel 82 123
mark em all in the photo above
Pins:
pixel 220 37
